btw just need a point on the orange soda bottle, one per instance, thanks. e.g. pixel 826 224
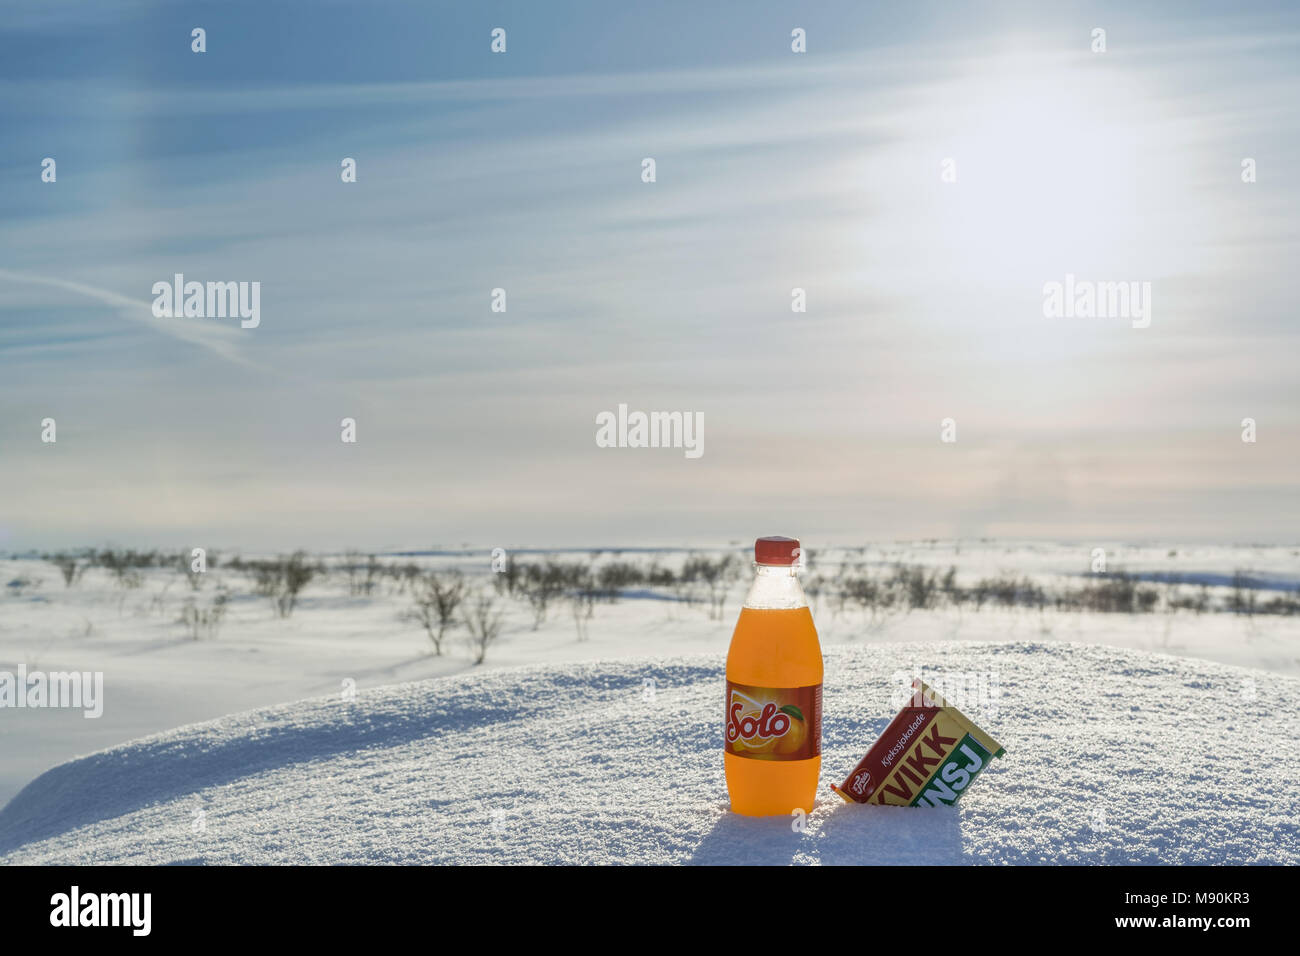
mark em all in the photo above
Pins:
pixel 773 741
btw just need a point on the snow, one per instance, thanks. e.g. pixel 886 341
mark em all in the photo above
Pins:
pixel 1114 755
pixel 157 678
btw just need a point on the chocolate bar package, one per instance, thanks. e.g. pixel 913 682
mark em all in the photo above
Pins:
pixel 928 756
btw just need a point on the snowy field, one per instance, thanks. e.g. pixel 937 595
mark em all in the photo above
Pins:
pixel 349 630
pixel 1113 756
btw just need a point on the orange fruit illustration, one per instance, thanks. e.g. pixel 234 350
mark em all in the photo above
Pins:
pixel 793 738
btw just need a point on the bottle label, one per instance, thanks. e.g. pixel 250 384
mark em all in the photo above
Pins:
pixel 774 723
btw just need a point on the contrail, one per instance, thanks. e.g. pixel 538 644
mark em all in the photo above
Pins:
pixel 215 338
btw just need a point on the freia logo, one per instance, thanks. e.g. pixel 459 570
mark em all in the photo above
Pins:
pixel 860 781
pixel 103 909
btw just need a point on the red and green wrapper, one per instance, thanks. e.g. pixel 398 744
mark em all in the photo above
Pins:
pixel 928 756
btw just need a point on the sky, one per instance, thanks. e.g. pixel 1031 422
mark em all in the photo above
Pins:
pixel 921 172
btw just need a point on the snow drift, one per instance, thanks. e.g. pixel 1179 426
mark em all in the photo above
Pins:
pixel 1113 756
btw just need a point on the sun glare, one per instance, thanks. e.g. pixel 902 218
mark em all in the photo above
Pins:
pixel 1049 157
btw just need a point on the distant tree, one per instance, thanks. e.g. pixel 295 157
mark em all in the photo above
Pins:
pixel 541 584
pixel 436 603
pixel 483 620
pixel 294 574
pixel 361 575
pixel 582 600
pixel 205 620
pixel 125 565
pixel 716 574
pixel 71 566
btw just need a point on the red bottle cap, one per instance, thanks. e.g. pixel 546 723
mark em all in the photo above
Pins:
pixel 777 550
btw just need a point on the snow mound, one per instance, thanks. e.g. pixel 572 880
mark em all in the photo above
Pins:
pixel 1113 756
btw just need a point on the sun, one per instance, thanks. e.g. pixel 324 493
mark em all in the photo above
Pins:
pixel 1042 164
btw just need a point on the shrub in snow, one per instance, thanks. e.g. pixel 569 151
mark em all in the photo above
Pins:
pixel 436 602
pixel 482 619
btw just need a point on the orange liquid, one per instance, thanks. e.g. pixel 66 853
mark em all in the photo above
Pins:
pixel 773 648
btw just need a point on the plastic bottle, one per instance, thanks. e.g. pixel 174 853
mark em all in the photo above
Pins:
pixel 772 749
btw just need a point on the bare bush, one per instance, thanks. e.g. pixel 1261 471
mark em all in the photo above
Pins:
pixel 280 579
pixel 542 584
pixel 617 576
pixel 295 574
pixel 582 601
pixel 204 620
pixel 126 565
pixel 510 578
pixel 483 620
pixel 437 601
pixel 1115 592
pixel 405 577
pixel 266 578
pixel 362 575
pixel 71 566
pixel 716 575
pixel 263 575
